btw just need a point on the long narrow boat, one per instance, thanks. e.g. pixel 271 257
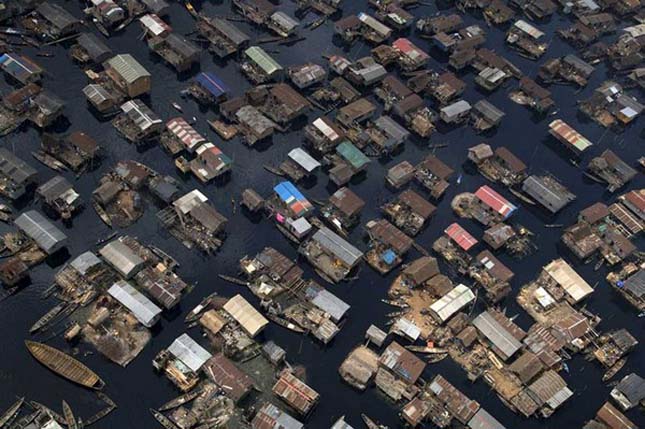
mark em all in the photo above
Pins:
pixel 49 160
pixel 8 416
pixel 24 421
pixel 69 416
pixel 371 424
pixel 609 374
pixel 180 400
pixel 437 358
pixel 425 349
pixel 285 323
pixel 102 213
pixel 233 280
pixel 98 416
pixel 521 196
pixel 163 420
pixel 64 365
pixel 6 293
pixel 105 398
pixel 47 317
pixel 196 312
pixel 48 411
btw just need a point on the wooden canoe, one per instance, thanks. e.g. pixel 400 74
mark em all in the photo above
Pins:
pixel 64 365
pixel 11 413
pixel 69 416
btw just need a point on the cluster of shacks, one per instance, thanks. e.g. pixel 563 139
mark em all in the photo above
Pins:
pixel 353 115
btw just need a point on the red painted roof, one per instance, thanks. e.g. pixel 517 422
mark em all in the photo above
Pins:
pixel 409 48
pixel 495 201
pixel 460 236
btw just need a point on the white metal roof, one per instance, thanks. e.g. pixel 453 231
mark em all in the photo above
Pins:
pixel 407 328
pixel 143 309
pixel 452 302
pixel 543 297
pixel 375 25
pixel 303 159
pixel 528 29
pixel 155 25
pixel 328 131
pixel 189 352
pixel 189 201
pixel 565 276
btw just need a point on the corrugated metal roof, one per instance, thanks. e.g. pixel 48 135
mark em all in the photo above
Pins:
pixel 528 29
pixel 54 188
pixel 183 131
pixel 483 420
pixel 302 158
pixel 263 60
pixel 19 67
pixel 375 25
pixel 410 49
pixel 128 67
pixel 392 129
pixel 56 15
pixel 460 236
pixel 327 301
pixel 140 114
pixel 96 94
pixel 213 84
pixel 495 201
pixel 452 302
pixel 324 128
pixel 339 247
pixel 143 309
pixel 246 315
pixel 189 352
pixel 155 25
pixel 566 134
pixel 189 201
pixel 552 199
pixel 122 258
pixel 94 47
pixel 15 168
pixel 636 284
pixel 352 154
pixel 495 332
pixel 231 32
pixel 284 21
pixel 488 111
pixel 42 231
pixel 574 285
pixel 84 262
pixel 455 109
pixel 272 417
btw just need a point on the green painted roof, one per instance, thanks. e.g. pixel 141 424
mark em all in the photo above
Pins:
pixel 352 155
pixel 262 59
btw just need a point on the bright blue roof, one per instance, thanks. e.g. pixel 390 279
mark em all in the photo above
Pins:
pixel 388 256
pixel 287 191
pixel 212 83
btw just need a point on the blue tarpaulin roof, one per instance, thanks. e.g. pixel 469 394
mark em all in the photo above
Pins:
pixel 212 84
pixel 287 191
pixel 388 256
